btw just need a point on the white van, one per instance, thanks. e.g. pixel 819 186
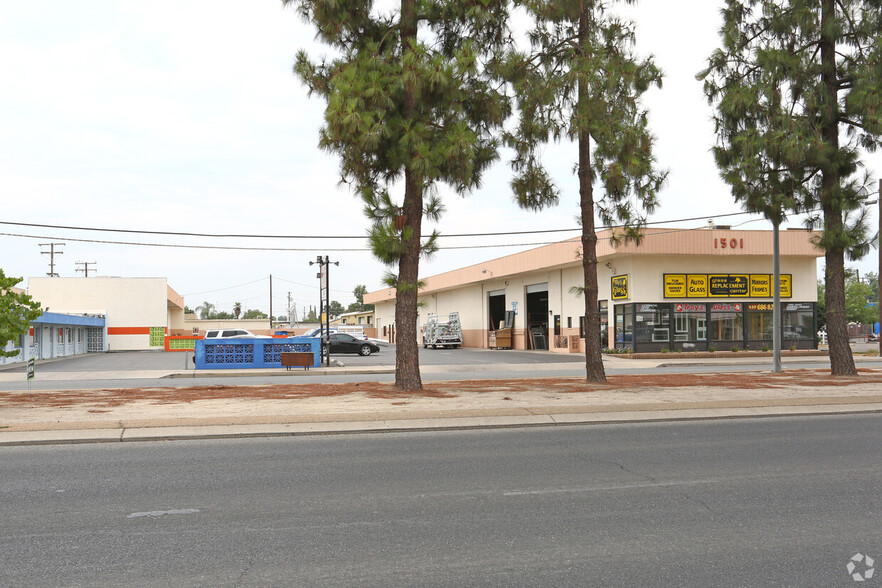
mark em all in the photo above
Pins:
pixel 233 334
pixel 353 330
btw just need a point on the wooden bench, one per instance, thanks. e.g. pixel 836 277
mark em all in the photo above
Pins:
pixel 297 359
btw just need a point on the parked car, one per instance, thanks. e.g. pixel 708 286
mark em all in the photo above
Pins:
pixel 343 343
pixel 233 334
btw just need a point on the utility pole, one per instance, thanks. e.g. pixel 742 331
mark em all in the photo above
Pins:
pixel 271 303
pixel 85 268
pixel 879 275
pixel 52 253
pixel 290 321
pixel 324 264
pixel 878 202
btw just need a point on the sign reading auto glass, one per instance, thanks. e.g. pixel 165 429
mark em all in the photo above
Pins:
pixel 696 286
pixel 724 285
pixel 619 287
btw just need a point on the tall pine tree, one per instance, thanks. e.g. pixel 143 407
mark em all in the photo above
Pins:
pixel 581 81
pixel 408 99
pixel 797 86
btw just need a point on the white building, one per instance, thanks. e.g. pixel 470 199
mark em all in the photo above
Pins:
pixel 138 312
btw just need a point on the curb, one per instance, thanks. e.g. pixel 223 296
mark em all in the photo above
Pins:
pixel 209 432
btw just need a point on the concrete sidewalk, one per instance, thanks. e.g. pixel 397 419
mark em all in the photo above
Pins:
pixel 88 416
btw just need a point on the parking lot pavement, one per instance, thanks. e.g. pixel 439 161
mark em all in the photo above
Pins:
pixel 177 360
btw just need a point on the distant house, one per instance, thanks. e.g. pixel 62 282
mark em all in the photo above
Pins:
pixel 363 318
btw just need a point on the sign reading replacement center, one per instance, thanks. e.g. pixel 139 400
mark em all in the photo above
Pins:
pixel 619 287
pixel 724 285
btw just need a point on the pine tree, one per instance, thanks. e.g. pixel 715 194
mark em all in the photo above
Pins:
pixel 797 86
pixel 582 82
pixel 404 108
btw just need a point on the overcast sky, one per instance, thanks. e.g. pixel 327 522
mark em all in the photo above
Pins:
pixel 184 116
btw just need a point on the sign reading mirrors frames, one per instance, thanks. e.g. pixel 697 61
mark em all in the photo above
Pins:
pixel 619 287
pixel 724 285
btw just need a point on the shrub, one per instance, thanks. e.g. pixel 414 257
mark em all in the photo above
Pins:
pixel 734 349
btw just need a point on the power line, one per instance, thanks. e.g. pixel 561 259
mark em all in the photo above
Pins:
pixel 226 288
pixel 253 236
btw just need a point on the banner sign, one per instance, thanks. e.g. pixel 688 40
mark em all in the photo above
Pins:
pixel 724 286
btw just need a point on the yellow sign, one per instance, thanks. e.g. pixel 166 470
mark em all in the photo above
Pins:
pixel 786 282
pixel 760 286
pixel 738 285
pixel 619 287
pixel 696 286
pixel 718 285
pixel 723 285
pixel 675 285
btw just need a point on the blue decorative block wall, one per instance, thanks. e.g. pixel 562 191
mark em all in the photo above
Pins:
pixel 212 354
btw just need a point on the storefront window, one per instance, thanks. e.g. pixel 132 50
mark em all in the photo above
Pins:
pixel 652 323
pixel 759 322
pixel 726 322
pixel 799 319
pixel 690 322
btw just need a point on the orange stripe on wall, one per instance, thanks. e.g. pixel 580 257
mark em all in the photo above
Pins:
pixel 128 330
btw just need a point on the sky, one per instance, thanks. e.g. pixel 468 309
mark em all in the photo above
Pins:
pixel 184 116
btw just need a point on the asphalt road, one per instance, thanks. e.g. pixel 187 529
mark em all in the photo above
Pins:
pixel 784 502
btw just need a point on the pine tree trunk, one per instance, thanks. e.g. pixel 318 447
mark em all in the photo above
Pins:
pixel 841 360
pixel 594 371
pixel 407 361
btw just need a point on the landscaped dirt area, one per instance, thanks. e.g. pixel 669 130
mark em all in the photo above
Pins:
pixel 793 380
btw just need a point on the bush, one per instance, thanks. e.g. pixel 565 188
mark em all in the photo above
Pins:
pixel 735 349
pixel 765 347
pixel 711 349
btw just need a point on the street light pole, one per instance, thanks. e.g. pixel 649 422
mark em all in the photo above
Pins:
pixel 879 275
pixel 324 264
pixel 776 300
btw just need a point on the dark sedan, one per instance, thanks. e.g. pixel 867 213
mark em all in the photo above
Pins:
pixel 343 343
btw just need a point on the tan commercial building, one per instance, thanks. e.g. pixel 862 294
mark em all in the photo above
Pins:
pixel 678 290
